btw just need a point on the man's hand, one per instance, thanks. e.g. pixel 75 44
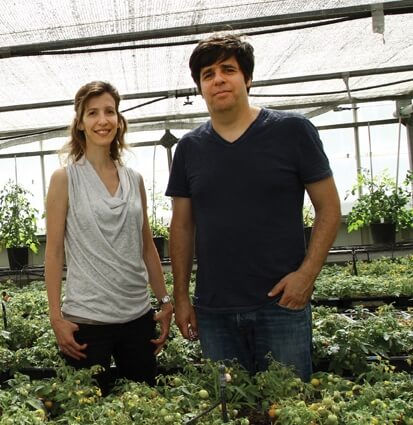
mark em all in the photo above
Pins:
pixel 186 320
pixel 296 289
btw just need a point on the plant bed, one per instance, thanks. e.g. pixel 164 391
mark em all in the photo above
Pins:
pixel 398 363
pixel 274 397
pixel 370 302
pixel 383 281
pixel 38 372
pixel 346 345
pixel 347 340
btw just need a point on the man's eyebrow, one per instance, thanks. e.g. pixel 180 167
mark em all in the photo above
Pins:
pixel 229 65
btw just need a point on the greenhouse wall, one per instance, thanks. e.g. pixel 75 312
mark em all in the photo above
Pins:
pixel 344 240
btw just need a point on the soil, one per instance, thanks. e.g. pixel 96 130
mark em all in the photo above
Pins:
pixel 258 418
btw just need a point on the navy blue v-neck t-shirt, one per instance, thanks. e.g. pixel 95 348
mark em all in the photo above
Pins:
pixel 247 199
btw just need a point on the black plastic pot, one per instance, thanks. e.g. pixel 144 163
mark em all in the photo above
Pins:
pixel 4 376
pixel 160 243
pixel 383 233
pixel 18 257
pixel 307 235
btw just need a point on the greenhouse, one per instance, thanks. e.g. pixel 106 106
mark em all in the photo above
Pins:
pixel 347 66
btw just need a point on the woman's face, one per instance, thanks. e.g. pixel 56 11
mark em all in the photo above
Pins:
pixel 100 120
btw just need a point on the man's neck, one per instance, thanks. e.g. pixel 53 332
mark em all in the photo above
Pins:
pixel 230 125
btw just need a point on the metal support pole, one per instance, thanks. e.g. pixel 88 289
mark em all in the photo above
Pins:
pixel 356 140
pixel 3 306
pixel 404 110
pixel 223 393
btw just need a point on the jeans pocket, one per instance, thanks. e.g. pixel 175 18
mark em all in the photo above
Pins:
pixel 276 303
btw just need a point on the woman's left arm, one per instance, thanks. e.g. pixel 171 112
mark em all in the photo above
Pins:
pixel 156 278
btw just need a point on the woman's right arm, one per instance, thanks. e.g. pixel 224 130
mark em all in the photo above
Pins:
pixel 56 211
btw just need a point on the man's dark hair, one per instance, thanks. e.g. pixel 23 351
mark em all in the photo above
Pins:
pixel 219 48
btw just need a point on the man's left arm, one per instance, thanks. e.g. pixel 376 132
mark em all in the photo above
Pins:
pixel 297 286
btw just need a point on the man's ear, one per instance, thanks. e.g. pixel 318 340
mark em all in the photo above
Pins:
pixel 249 83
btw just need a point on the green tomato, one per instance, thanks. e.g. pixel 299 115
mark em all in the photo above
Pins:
pixel 177 382
pixel 331 420
pixel 163 411
pixel 322 411
pixel 203 394
pixel 168 419
pixel 327 401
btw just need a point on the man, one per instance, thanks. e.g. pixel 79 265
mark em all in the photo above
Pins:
pixel 238 184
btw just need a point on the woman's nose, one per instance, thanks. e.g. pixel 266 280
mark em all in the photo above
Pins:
pixel 102 117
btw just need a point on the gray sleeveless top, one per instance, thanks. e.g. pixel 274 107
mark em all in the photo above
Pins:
pixel 106 278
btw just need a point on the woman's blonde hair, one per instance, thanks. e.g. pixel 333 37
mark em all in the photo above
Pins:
pixel 76 147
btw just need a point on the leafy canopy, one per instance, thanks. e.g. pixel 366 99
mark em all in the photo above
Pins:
pixel 382 201
pixel 18 222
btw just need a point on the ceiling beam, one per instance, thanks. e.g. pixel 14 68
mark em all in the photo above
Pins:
pixel 351 12
pixel 177 121
pixel 193 91
pixel 157 142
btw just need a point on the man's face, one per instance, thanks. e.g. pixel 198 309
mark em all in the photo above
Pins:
pixel 223 85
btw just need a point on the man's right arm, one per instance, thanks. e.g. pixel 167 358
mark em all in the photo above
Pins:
pixel 181 247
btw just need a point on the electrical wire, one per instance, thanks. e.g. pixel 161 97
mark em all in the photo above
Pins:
pixel 36 133
pixel 377 86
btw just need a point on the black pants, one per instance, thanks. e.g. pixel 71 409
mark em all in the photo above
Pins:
pixel 128 343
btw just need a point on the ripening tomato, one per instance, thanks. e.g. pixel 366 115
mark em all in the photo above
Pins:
pixel 48 404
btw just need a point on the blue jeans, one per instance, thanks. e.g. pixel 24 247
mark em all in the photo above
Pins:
pixel 128 343
pixel 248 337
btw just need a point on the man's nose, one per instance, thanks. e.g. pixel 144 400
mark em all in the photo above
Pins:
pixel 219 77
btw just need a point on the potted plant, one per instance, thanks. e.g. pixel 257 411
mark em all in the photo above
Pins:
pixel 160 234
pixel 383 205
pixel 308 220
pixel 18 224
pixel 157 222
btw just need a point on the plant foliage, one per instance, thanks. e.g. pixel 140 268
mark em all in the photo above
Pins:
pixel 382 201
pixel 158 227
pixel 18 222
pixel 308 215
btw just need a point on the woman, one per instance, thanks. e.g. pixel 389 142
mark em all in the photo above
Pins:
pixel 97 222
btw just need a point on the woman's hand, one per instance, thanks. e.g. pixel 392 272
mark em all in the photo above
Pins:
pixel 163 317
pixel 64 331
